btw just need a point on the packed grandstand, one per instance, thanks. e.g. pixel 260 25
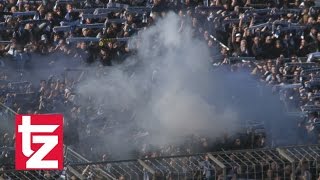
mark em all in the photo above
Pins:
pixel 155 89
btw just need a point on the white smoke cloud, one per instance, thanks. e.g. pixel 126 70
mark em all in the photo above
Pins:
pixel 168 88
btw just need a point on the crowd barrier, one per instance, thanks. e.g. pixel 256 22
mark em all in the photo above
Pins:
pixel 283 162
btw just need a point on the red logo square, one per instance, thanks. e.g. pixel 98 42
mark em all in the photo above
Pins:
pixel 39 142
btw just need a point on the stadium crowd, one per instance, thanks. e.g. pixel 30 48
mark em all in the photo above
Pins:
pixel 272 40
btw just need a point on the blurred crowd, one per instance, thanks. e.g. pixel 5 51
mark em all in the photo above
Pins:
pixel 275 41
pixel 279 46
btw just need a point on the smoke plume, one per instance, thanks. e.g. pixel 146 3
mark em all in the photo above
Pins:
pixel 166 86
pixel 168 89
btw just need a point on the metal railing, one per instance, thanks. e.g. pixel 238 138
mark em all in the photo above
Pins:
pixel 283 163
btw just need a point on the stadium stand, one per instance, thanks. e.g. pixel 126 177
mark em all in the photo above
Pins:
pixel 277 41
pixel 281 163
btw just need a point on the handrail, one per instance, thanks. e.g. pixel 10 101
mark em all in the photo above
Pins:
pixel 6 107
pixel 191 155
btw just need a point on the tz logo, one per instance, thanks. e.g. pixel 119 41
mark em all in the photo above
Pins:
pixel 39 142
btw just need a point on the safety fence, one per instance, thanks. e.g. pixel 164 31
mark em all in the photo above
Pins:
pixel 282 163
